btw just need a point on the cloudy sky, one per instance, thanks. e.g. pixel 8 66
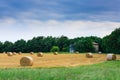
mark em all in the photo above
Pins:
pixel 25 19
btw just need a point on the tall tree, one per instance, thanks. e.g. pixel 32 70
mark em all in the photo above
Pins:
pixel 63 43
pixel 1 47
pixel 97 40
pixel 48 42
pixel 113 41
pixel 104 44
pixel 36 44
pixel 84 45
pixel 20 46
pixel 7 46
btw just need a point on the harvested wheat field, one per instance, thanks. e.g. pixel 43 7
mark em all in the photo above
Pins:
pixel 50 60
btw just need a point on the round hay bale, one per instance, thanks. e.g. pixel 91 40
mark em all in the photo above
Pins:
pixel 20 53
pixel 76 52
pixel 99 52
pixel 31 53
pixel 14 53
pixel 26 61
pixel 4 52
pixel 10 54
pixel 89 55
pixel 111 57
pixel 55 53
pixel 40 54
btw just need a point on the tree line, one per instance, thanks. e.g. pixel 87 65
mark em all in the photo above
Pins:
pixel 109 43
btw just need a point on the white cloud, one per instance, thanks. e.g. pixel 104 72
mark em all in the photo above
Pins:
pixel 8 21
pixel 12 30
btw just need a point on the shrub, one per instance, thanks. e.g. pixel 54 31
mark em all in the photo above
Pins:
pixel 55 49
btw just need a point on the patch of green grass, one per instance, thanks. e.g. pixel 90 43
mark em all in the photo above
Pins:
pixel 103 71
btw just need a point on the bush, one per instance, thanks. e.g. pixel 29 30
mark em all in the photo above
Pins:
pixel 55 49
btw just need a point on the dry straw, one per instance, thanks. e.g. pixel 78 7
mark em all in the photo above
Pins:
pixel 111 57
pixel 89 55
pixel 20 53
pixel 55 53
pixel 40 54
pixel 76 52
pixel 4 52
pixel 31 53
pixel 14 53
pixel 26 61
pixel 10 54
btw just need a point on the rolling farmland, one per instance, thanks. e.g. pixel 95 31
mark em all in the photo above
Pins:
pixel 50 60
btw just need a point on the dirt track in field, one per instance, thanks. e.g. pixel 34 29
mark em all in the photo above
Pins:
pixel 50 60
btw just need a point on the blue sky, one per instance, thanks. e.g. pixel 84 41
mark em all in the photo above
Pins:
pixel 29 18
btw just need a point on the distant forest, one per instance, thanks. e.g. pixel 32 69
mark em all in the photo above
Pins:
pixel 107 44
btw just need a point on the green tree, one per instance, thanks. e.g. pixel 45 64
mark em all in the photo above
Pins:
pixel 55 49
pixel 1 47
pixel 84 45
pixel 35 45
pixel 97 40
pixel 48 42
pixel 63 43
pixel 19 46
pixel 104 44
pixel 112 42
pixel 7 46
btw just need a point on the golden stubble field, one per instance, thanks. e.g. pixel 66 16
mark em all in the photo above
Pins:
pixel 50 60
